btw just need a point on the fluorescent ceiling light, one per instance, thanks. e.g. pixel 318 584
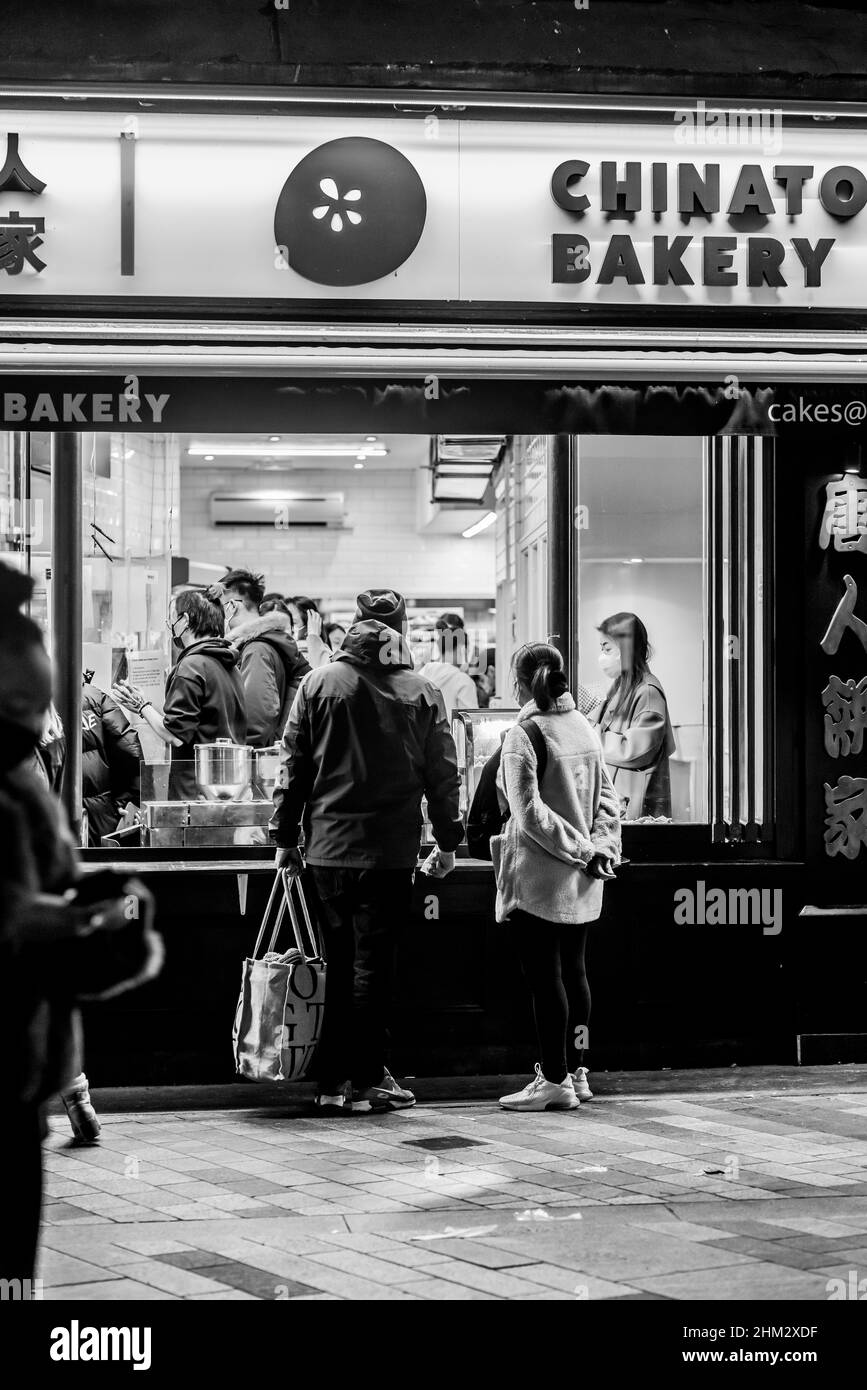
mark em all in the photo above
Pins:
pixel 481 525
pixel 284 451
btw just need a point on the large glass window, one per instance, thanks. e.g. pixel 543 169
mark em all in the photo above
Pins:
pixel 641 534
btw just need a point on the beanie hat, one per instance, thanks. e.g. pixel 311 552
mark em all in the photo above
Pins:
pixel 384 605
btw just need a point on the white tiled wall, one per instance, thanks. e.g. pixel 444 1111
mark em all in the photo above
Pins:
pixel 382 549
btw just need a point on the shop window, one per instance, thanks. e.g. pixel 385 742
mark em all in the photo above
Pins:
pixel 642 546
pixel 673 546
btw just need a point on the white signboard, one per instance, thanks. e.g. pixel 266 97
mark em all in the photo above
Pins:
pixel 146 671
pixel 585 213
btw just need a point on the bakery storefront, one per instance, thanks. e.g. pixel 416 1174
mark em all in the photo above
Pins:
pixel 535 365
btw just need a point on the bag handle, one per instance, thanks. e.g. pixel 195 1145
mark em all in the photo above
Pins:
pixel 274 888
pixel 311 948
pixel 294 879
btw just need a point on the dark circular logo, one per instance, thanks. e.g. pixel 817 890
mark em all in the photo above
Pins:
pixel 352 211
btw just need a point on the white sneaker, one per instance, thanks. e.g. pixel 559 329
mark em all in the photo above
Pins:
pixel 540 1094
pixel 579 1080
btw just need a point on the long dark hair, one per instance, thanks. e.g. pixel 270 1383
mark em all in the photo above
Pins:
pixel 540 668
pixel 630 634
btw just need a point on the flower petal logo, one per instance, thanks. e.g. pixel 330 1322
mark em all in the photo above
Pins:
pixel 352 211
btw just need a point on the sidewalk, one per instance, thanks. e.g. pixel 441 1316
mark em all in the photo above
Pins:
pixel 747 1185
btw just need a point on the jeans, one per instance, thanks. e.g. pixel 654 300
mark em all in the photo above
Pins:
pixel 552 959
pixel 360 914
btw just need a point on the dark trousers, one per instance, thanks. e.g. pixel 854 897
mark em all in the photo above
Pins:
pixel 552 959
pixel 360 914
pixel 21 1184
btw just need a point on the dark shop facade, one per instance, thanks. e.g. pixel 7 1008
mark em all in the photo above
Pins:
pixel 534 359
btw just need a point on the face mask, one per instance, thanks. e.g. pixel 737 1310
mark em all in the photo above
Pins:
pixel 609 663
pixel 17 742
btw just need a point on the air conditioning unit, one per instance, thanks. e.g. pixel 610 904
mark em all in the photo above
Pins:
pixel 278 509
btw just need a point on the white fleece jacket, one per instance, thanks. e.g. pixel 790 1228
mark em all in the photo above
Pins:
pixel 554 830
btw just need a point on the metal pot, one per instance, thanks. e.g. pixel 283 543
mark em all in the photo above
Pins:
pixel 223 769
pixel 267 765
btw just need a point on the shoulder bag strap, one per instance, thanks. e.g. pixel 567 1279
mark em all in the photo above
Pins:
pixel 540 747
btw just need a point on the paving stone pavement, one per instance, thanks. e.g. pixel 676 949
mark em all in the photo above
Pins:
pixel 680 1196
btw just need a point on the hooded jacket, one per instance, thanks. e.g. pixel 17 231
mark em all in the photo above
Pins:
pixel 557 825
pixel 637 744
pixel 110 762
pixel 204 701
pixel 272 668
pixel 365 741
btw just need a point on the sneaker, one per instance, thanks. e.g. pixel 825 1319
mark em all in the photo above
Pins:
pixel 79 1108
pixel 579 1079
pixel 540 1094
pixel 387 1095
pixel 334 1100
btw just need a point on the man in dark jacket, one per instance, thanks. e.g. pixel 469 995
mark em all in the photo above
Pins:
pixel 271 666
pixel 110 764
pixel 204 693
pixel 366 740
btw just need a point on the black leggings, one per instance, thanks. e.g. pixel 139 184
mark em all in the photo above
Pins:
pixel 552 959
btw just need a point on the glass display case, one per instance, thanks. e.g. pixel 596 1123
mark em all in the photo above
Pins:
pixel 478 734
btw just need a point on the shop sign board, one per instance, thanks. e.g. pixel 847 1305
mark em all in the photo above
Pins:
pixel 586 213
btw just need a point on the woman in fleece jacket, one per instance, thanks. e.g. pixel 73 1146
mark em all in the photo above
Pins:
pixel 561 841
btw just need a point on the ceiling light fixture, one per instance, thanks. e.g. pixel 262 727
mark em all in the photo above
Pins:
pixel 478 526
pixel 282 450
pixel 273 439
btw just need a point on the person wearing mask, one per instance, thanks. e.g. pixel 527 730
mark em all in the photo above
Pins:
pixel 633 722
pixel 335 634
pixel 204 692
pixel 558 846
pixel 312 642
pixel 271 666
pixel 110 763
pixel 365 741
pixel 58 942
pixel 447 674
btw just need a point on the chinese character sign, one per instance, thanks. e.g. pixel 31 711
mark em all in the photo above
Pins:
pixel 846 816
pixel 20 237
pixel 844 620
pixel 845 518
pixel 845 705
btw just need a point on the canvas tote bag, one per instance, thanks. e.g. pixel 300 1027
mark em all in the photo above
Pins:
pixel 279 1015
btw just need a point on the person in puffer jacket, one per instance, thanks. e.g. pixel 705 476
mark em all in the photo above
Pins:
pixel 110 763
pixel 271 666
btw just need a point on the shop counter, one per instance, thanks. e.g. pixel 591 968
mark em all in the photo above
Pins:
pixel 669 989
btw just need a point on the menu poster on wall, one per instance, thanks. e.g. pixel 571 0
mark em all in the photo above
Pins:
pixel 146 671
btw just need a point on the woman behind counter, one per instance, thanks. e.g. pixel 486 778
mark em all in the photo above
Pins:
pixel 633 723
